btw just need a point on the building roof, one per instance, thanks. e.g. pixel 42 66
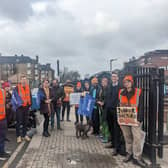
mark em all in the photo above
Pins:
pixel 46 67
pixel 16 59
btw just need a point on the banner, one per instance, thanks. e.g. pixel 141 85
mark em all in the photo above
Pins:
pixel 127 116
pixel 75 98
pixel 86 105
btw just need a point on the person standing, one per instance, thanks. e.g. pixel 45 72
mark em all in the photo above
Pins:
pixel 86 90
pixel 78 89
pixel 9 112
pixel 46 105
pixel 3 124
pixel 22 111
pixel 111 103
pixel 105 131
pixel 95 92
pixel 68 89
pixel 130 96
pixel 58 94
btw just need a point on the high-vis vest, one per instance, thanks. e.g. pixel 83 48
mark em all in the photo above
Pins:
pixel 133 102
pixel 24 93
pixel 2 104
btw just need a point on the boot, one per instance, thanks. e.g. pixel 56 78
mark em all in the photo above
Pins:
pixel 127 158
pixel 19 139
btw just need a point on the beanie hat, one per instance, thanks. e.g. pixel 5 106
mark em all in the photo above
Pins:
pixel 78 84
pixel 5 84
pixel 128 78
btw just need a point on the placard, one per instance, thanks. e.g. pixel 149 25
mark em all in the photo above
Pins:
pixel 127 116
pixel 75 98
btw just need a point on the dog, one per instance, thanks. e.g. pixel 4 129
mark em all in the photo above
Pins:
pixel 83 129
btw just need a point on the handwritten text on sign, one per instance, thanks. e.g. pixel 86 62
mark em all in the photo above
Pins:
pixel 75 98
pixel 127 116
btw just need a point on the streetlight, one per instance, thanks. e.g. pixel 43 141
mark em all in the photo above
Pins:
pixel 111 61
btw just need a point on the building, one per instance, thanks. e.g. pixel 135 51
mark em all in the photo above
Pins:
pixel 157 58
pixel 46 72
pixel 12 66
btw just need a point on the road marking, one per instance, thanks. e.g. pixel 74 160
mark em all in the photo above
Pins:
pixel 13 156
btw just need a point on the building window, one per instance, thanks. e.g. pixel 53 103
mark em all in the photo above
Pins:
pixel 28 65
pixel 164 58
pixel 28 72
pixel 36 72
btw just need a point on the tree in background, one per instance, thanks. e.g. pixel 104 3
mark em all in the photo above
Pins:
pixel 71 75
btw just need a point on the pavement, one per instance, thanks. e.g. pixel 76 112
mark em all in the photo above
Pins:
pixel 64 150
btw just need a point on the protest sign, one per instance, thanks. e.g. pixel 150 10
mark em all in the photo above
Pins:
pixel 127 116
pixel 75 98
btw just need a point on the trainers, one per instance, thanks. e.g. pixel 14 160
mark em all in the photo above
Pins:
pixel 140 163
pixel 127 158
pixel 19 139
pixel 4 155
pixel 27 138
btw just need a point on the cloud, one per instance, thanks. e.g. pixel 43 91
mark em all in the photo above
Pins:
pixel 83 35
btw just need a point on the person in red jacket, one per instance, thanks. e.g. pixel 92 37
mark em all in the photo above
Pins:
pixel 3 124
pixel 131 97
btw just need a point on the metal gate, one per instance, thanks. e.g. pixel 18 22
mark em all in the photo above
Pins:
pixel 151 80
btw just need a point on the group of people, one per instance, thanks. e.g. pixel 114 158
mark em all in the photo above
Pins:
pixel 15 103
pixel 55 99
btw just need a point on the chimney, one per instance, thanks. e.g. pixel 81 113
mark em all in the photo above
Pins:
pixel 37 58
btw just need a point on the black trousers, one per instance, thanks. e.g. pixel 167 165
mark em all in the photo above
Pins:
pixel 3 130
pixel 77 115
pixel 96 121
pixel 114 128
pixel 46 122
pixel 22 114
pixel 65 106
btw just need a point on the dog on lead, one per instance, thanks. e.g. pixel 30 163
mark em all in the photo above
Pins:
pixel 83 129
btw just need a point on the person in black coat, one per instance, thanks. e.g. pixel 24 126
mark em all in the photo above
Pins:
pixel 95 92
pixel 111 103
pixel 46 105
pixel 58 94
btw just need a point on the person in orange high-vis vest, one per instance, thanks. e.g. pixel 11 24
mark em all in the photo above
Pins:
pixel 3 124
pixel 130 96
pixel 68 89
pixel 22 113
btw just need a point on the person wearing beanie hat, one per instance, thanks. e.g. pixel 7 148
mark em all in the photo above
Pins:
pixel 3 124
pixel 78 89
pixel 9 113
pixel 130 96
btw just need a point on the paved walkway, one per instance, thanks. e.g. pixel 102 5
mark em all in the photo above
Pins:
pixel 64 150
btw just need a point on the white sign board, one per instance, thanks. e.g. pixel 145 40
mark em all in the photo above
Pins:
pixel 75 98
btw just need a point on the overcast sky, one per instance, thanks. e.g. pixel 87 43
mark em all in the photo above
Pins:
pixel 83 34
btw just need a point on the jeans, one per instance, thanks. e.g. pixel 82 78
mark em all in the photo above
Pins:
pixel 3 129
pixel 46 122
pixel 64 106
pixel 57 110
pixel 77 115
pixel 21 121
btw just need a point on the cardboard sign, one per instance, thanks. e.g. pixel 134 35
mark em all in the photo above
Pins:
pixel 127 116
pixel 75 98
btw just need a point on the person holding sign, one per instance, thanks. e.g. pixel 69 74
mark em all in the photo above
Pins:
pixel 130 117
pixel 78 89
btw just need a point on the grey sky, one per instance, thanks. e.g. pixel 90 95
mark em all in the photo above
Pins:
pixel 83 34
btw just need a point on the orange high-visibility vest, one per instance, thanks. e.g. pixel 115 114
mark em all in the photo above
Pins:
pixel 24 93
pixel 68 90
pixel 133 102
pixel 2 104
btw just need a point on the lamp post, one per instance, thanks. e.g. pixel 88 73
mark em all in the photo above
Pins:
pixel 111 61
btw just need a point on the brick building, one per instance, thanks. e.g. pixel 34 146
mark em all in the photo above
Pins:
pixel 157 58
pixel 12 66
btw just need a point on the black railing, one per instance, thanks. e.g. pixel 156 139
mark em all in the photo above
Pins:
pixel 151 80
